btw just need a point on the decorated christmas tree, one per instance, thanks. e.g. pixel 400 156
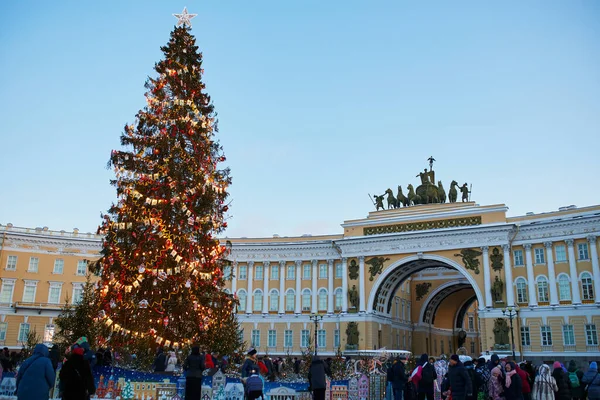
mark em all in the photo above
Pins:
pixel 127 392
pixel 162 265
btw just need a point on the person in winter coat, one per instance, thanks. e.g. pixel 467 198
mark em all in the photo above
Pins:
pixel 495 385
pixel 562 381
pixel 441 369
pixel 55 356
pixel 423 377
pixel 193 367
pixel 592 379
pixel 575 376
pixel 160 361
pixel 316 378
pixel 461 386
pixel 254 386
pixel 76 380
pixel 476 380
pixel 525 381
pixel 494 362
pixel 544 385
pixel 399 379
pixel 513 385
pixel 171 362
pixel 484 376
pixel 36 375
pixel 249 364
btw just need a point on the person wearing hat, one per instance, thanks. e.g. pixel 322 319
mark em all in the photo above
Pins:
pixel 250 363
pixel 36 375
pixel 398 379
pixel 461 386
pixel 254 385
pixel 76 380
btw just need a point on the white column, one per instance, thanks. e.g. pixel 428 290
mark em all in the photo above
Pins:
pixel 595 267
pixel 551 274
pixel 315 295
pixel 330 278
pixel 487 278
pixel 510 291
pixel 234 277
pixel 298 288
pixel 530 276
pixel 266 296
pixel 344 285
pixel 250 297
pixel 361 281
pixel 282 272
pixel 573 272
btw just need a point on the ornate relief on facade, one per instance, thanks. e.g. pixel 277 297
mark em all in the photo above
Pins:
pixel 469 259
pixel 423 225
pixel 353 270
pixel 496 259
pixel 352 336
pixel 376 266
pixel 422 289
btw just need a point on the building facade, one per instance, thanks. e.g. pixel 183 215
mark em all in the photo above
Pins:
pixel 430 278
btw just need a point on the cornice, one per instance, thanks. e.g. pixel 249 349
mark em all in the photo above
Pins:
pixel 541 232
pixel 16 240
pixel 305 251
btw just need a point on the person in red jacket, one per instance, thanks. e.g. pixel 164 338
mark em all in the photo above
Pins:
pixel 262 367
pixel 526 386
pixel 208 361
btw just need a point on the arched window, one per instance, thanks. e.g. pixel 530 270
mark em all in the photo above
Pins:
pixel 242 297
pixel 290 299
pixel 587 288
pixel 258 300
pixel 323 300
pixel 306 300
pixel 338 299
pixel 274 300
pixel 542 286
pixel 521 285
pixel 564 287
pixel 226 291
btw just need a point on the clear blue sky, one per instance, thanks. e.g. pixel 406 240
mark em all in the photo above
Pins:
pixel 320 103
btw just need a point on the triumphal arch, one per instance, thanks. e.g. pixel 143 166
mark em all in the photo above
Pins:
pixel 428 271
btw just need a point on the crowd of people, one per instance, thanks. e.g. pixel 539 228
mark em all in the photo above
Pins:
pixel 496 379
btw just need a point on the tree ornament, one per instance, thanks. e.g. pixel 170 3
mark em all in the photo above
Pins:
pixel 141 269
pixel 143 304
pixel 188 284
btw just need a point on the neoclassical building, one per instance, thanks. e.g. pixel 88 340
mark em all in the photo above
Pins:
pixel 427 278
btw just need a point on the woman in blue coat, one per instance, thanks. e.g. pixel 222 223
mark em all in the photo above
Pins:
pixel 36 375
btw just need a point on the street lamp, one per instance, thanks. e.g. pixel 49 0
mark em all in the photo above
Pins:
pixel 511 312
pixel 316 318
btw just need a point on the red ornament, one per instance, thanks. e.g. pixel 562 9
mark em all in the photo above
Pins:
pixel 156 151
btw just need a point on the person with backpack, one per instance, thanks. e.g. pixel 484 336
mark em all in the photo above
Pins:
pixel 592 380
pixel 423 377
pixel 562 381
pixel 76 380
pixel 255 386
pixel 544 385
pixel 36 375
pixel 575 376
pixel 484 377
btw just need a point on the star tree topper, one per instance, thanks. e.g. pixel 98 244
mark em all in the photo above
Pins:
pixel 184 18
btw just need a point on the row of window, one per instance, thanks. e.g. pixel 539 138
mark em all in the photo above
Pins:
pixel 290 272
pixel 288 338
pixel 591 335
pixel 30 289
pixel 560 254
pixel 402 309
pixel 564 288
pixel 24 329
pixel 290 300
pixel 34 263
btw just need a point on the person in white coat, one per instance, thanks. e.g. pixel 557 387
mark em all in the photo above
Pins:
pixel 171 362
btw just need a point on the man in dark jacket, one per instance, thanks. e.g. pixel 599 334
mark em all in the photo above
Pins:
pixel 460 382
pixel 427 377
pixel 316 378
pixel 160 361
pixel 398 379
pixel 494 361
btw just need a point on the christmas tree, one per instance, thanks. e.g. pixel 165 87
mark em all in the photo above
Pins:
pixel 127 392
pixel 77 319
pixel 162 265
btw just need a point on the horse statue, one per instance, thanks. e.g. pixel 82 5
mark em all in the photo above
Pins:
pixel 453 194
pixel 413 198
pixel 428 193
pixel 391 200
pixel 441 192
pixel 401 198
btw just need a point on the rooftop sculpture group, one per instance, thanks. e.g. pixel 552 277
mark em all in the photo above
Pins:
pixel 428 192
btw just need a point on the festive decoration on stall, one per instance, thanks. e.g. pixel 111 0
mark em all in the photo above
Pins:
pixel 161 267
